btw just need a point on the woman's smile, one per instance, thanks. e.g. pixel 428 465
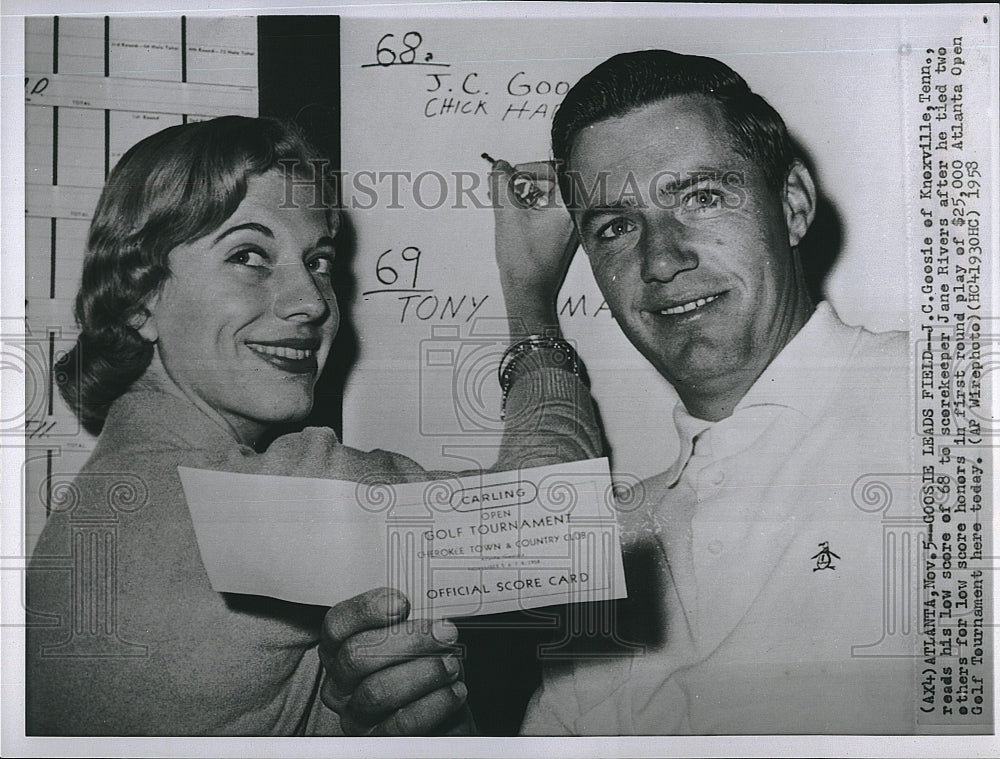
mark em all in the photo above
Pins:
pixel 296 355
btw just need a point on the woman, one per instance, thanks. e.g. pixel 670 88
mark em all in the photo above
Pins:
pixel 207 312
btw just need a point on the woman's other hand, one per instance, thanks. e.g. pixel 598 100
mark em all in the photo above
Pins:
pixel 388 676
pixel 535 241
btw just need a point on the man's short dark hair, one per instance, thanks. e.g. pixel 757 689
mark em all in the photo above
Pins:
pixel 629 81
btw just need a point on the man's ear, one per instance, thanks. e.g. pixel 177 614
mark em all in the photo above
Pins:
pixel 142 320
pixel 800 202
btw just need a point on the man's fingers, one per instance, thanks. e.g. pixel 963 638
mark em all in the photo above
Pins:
pixel 527 185
pixel 535 184
pixel 373 650
pixel 424 716
pixel 500 182
pixel 370 651
pixel 371 611
pixel 392 688
pixel 376 608
pixel 539 170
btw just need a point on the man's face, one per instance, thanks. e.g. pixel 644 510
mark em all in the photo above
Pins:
pixel 689 246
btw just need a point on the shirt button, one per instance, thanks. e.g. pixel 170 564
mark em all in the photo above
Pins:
pixel 715 547
pixel 718 477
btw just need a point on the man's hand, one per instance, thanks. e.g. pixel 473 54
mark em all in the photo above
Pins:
pixel 534 245
pixel 386 676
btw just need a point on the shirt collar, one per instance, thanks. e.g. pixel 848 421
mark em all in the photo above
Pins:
pixel 804 374
pixel 688 428
pixel 801 378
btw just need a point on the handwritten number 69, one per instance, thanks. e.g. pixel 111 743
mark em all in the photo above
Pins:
pixel 386 56
pixel 388 275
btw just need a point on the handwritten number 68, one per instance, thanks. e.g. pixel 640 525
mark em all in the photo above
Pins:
pixel 386 56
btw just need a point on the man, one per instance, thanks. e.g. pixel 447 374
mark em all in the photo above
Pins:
pixel 755 578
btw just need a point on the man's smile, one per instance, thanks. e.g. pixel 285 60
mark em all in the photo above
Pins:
pixel 691 305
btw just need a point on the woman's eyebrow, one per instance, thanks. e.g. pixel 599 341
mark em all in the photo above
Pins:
pixel 251 225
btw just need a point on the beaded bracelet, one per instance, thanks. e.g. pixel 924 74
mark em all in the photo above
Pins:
pixel 565 357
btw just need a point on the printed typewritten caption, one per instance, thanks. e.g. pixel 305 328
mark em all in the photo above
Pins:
pixel 953 347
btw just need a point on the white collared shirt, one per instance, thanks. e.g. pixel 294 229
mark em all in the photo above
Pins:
pixel 787 588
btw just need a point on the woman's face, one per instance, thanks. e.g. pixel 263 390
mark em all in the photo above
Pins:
pixel 244 322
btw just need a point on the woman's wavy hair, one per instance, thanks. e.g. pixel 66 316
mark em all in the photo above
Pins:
pixel 171 188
